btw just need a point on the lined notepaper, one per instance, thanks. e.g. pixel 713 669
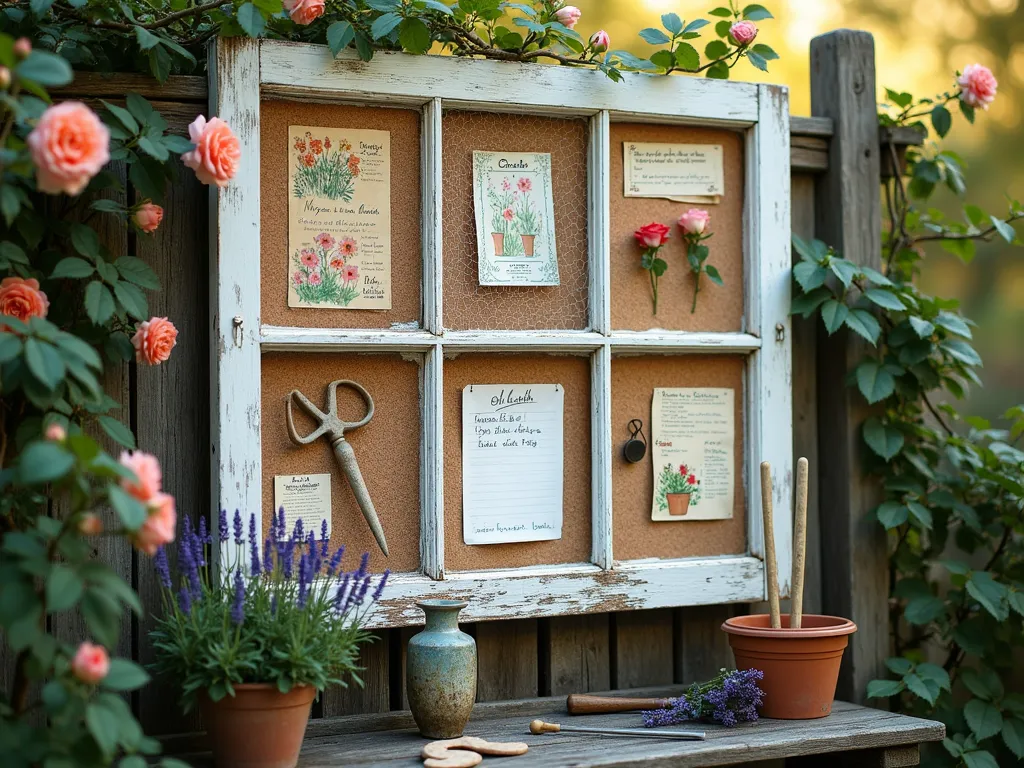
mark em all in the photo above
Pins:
pixel 512 462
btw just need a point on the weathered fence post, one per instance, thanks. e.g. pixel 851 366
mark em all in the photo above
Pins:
pixel 848 217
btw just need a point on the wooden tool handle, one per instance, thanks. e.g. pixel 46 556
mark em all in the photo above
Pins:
pixel 582 704
pixel 539 726
pixel 771 565
pixel 799 546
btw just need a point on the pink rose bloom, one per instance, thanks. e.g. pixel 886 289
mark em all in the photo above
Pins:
pixel 977 86
pixel 743 32
pixel 524 184
pixel 153 340
pixel 694 221
pixel 22 47
pixel 315 279
pixel 348 246
pixel 351 273
pixel 22 299
pixel 69 145
pixel 55 433
pixel 600 41
pixel 325 241
pixel 147 473
pixel 653 235
pixel 217 151
pixel 148 217
pixel 91 663
pixel 304 11
pixel 90 525
pixel 158 529
pixel 298 277
pixel 568 15
pixel 507 213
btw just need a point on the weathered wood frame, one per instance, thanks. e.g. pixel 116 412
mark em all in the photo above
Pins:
pixel 242 71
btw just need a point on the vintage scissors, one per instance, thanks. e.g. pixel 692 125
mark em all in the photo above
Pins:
pixel 333 428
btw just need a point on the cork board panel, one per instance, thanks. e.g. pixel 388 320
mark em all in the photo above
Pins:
pixel 573 374
pixel 388 448
pixel 635 535
pixel 406 234
pixel 719 308
pixel 471 306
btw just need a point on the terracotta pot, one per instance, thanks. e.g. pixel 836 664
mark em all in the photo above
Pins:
pixel 801 666
pixel 499 243
pixel 678 503
pixel 259 727
pixel 528 243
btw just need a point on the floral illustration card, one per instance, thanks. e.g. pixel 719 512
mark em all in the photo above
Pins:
pixel 339 218
pixel 693 435
pixel 515 218
pixel 685 173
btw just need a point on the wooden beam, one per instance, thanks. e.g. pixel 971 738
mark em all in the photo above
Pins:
pixel 848 217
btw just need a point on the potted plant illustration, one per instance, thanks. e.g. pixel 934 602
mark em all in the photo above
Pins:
pixel 324 272
pixel 527 220
pixel 678 489
pixel 323 169
pixel 254 645
pixel 501 215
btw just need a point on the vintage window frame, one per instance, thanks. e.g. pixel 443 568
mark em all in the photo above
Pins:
pixel 242 71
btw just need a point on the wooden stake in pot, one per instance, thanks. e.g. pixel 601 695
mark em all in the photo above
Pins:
pixel 799 546
pixel 771 565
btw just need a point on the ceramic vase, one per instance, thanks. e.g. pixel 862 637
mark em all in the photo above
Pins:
pixel 258 727
pixel 441 672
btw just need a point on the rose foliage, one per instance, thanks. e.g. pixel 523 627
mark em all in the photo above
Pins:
pixel 953 494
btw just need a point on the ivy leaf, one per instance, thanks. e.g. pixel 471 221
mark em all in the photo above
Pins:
pixel 891 514
pixel 339 35
pixel 834 314
pixel 990 593
pixel 942 121
pixel 654 36
pixel 983 718
pixel 384 24
pixel 884 299
pixel 864 324
pixel 874 381
pixel 882 689
pixel 1013 735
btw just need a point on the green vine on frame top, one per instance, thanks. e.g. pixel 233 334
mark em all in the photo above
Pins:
pixel 169 37
pixel 953 496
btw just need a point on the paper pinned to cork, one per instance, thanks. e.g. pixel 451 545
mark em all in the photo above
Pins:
pixel 684 173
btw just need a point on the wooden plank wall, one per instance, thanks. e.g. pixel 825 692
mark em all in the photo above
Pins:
pixel 167 407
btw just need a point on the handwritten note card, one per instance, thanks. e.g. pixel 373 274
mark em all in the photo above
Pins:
pixel 339 218
pixel 305 496
pixel 693 432
pixel 687 173
pixel 512 462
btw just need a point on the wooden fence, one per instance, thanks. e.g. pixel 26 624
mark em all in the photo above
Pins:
pixel 835 185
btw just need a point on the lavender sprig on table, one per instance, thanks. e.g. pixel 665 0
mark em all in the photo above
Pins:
pixel 731 698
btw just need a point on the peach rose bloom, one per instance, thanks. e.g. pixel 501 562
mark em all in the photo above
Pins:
pixel 90 525
pixel 69 145
pixel 5 78
pixel 146 468
pixel 568 15
pixel 304 11
pixel 148 217
pixel 91 663
pixel 22 299
pixel 217 151
pixel 694 221
pixel 978 86
pixel 56 433
pixel 743 32
pixel 153 340
pixel 159 526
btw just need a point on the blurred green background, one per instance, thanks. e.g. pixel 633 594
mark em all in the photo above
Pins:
pixel 919 44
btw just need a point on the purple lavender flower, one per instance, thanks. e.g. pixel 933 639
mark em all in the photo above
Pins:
pixel 304 578
pixel 188 557
pixel 163 568
pixel 281 533
pixel 268 554
pixel 238 528
pixel 198 550
pixel 185 600
pixel 340 599
pixel 314 554
pixel 731 698
pixel 254 549
pixel 325 541
pixel 335 562
pixel 222 525
pixel 380 586
pixel 299 532
pixel 238 606
pixel 287 556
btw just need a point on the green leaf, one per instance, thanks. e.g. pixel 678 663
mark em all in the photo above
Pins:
pixel 989 592
pixel 74 346
pixel 436 5
pixel 45 68
pixel 844 270
pixel 810 275
pixel 891 514
pixel 672 23
pixel 718 71
pixel 63 589
pixel 42 462
pixel 131 511
pixel 922 328
pixel 864 324
pixel 900 99
pixel 983 718
pixel 934 673
pixel 1013 735
pixel 72 267
pixel 764 51
pixel 663 59
pixel 146 39
pixel 716 49
pixel 926 690
pixel 899 665
pixel 982 682
pixel 694 25
pixel 414 36
pixel 921 513
pixel 834 313
pixel 383 25
pixel 1005 230
pixel 137 271
pixel 250 20
pixel 962 351
pixel 159 61
pixel 10 346
pixel 721 12
pixel 132 299
pixel 45 362
pixel 154 149
pixel 757 61
pixel 756 13
pixel 942 121
pixel 883 689
pixel 654 36
pixel 99 303
pixel 85 240
pixel 339 36
pixel 923 610
pixel 874 381
pixel 118 431
pixel 884 299
pixel 104 725
pixel 1016 600
pixel 687 57
pixel 123 116
pixel 805 303
pixel 124 675
pixel 712 273
pixel 953 324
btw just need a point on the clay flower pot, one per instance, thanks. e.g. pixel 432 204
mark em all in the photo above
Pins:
pixel 678 503
pixel 259 727
pixel 801 666
pixel 528 243
pixel 499 243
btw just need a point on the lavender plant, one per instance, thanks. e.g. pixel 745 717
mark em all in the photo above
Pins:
pixel 289 616
pixel 731 698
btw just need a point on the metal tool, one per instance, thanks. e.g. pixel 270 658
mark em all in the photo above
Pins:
pixel 539 726
pixel 333 428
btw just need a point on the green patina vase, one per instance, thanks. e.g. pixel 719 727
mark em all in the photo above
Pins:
pixel 440 671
